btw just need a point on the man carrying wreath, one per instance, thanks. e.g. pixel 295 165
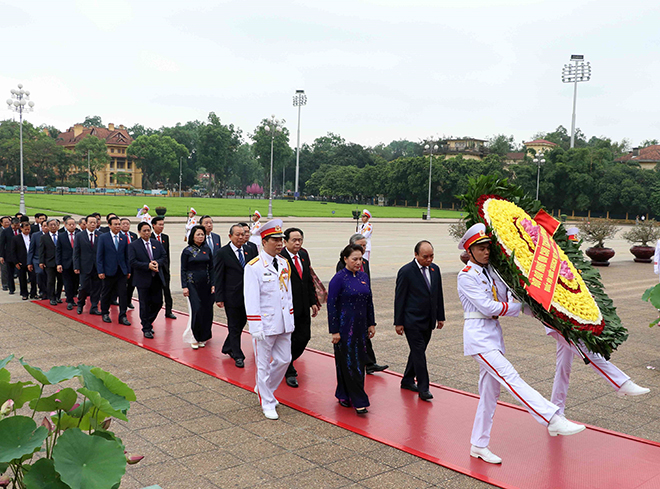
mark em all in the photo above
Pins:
pixel 485 297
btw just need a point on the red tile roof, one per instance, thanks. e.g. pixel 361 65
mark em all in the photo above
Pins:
pixel 648 154
pixel 515 156
pixel 540 141
pixel 117 137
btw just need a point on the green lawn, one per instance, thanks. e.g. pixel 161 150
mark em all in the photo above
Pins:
pixel 128 205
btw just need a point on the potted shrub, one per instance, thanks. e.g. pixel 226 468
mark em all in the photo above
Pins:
pixel 160 211
pixel 456 231
pixel 596 232
pixel 642 236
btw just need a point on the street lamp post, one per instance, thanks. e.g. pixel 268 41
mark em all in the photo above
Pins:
pixel 273 126
pixel 539 160
pixel 430 150
pixel 20 102
pixel 299 99
pixel 574 73
pixel 180 173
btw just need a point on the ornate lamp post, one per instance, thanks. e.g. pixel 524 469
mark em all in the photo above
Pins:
pixel 539 160
pixel 20 102
pixel 299 99
pixel 430 150
pixel 273 126
pixel 578 72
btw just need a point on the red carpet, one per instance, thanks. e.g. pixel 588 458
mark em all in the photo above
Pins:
pixel 438 431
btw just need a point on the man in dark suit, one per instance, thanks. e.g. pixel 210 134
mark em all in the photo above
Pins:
pixel 33 261
pixel 157 226
pixel 48 261
pixel 212 239
pixel 246 238
pixel 5 222
pixel 20 246
pixel 104 229
pixel 304 297
pixel 371 366
pixel 64 260
pixel 229 263
pixel 147 258
pixel 84 265
pixel 39 217
pixel 6 255
pixel 113 269
pixel 125 226
pixel 418 307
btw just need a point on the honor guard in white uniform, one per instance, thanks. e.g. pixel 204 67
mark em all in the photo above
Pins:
pixel 365 229
pixel 269 310
pixel 143 214
pixel 484 298
pixel 255 230
pixel 565 353
pixel 192 222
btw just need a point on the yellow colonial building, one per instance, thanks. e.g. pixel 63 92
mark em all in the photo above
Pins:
pixel 539 146
pixel 121 172
pixel 469 148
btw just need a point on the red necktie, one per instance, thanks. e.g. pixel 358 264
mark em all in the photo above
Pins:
pixel 128 237
pixel 16 232
pixel 71 237
pixel 159 239
pixel 297 264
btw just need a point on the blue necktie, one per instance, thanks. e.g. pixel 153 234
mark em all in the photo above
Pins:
pixel 428 284
pixel 116 241
pixel 241 258
pixel 55 239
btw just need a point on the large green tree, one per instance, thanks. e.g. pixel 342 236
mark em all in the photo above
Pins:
pixel 159 158
pixel 91 153
pixel 217 148
pixel 93 121
pixel 282 152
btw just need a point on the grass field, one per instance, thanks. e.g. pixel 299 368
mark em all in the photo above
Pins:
pixel 128 205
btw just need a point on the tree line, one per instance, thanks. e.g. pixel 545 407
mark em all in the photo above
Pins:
pixel 584 178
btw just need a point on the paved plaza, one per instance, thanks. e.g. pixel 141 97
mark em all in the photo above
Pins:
pixel 199 432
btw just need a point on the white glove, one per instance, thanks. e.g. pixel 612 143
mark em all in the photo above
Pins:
pixel 258 335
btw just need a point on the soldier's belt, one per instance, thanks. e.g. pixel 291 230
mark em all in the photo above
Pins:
pixel 477 315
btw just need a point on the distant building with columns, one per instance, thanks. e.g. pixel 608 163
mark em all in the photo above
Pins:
pixel 117 140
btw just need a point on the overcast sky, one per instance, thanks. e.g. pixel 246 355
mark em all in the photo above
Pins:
pixel 373 71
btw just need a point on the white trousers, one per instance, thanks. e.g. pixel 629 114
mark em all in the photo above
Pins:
pixel 496 370
pixel 565 354
pixel 272 357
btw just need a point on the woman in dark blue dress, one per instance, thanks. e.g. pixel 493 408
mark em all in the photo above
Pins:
pixel 351 321
pixel 197 283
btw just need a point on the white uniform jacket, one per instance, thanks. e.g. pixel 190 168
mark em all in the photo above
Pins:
pixel 268 297
pixel 475 290
pixel 656 259
pixel 365 229
pixel 255 234
pixel 192 222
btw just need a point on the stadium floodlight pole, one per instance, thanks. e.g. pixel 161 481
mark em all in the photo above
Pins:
pixel 20 102
pixel 272 126
pixel 539 160
pixel 299 99
pixel 430 150
pixel 574 73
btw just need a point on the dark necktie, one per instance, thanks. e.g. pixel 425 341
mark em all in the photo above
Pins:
pixel 426 279
pixel 241 258
pixel 275 263
pixel 91 239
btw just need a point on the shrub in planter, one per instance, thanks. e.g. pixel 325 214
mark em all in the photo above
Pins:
pixel 596 232
pixel 161 211
pixel 643 236
pixel 79 450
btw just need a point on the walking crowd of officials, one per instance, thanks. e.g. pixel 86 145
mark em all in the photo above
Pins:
pixel 263 277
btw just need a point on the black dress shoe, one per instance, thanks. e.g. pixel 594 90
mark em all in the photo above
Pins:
pixel 69 306
pixel 425 395
pixel 95 312
pixel 114 303
pixel 11 293
pixel 149 334
pixel 130 306
pixel 24 297
pixel 106 318
pixel 376 368
pixel 292 382
pixel 410 387
pixel 344 403
pixel 59 301
pixel 79 310
pixel 169 315
pixel 52 303
pixel 5 289
pixel 33 297
pixel 124 321
pixel 361 410
pixel 239 363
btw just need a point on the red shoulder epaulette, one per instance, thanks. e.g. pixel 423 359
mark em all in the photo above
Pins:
pixel 466 268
